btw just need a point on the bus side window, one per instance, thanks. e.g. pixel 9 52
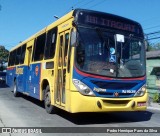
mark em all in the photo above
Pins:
pixel 23 54
pixel 51 43
pixel 10 59
pixel 18 55
pixel 39 47
pixel 13 58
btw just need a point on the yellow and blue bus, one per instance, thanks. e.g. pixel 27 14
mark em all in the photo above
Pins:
pixel 86 61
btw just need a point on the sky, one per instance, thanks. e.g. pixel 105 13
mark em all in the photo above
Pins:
pixel 19 19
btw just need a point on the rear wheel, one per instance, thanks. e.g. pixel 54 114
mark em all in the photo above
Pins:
pixel 47 101
pixel 16 94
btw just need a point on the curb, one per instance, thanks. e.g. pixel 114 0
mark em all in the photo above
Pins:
pixel 153 108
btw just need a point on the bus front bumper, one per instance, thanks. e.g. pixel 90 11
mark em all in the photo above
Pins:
pixel 80 103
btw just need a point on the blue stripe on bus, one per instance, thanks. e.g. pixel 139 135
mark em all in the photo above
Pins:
pixel 111 86
pixel 28 79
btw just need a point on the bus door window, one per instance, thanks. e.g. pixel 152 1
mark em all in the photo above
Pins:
pixel 66 48
pixel 60 51
pixel 62 66
pixel 59 85
pixel 65 65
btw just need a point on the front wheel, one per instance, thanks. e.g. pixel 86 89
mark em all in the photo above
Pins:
pixel 47 102
pixel 15 92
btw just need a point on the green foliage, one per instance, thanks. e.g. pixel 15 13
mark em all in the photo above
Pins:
pixel 3 54
pixel 3 57
pixel 156 97
pixel 157 46
pixel 153 47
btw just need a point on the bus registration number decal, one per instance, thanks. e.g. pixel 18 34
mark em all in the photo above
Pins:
pixel 128 91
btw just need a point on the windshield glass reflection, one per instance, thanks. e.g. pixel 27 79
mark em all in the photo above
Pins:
pixel 99 53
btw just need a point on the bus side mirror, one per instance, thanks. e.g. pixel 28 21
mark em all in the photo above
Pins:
pixel 73 39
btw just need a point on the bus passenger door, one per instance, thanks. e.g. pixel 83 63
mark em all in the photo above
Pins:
pixel 62 83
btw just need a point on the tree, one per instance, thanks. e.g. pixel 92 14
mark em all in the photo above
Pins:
pixel 152 46
pixel 157 46
pixel 3 56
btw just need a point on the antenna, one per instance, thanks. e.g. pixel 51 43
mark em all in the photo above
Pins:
pixel 56 17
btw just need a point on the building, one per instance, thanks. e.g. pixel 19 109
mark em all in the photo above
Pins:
pixel 153 72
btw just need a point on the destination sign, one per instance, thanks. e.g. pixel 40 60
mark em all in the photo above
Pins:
pixel 109 21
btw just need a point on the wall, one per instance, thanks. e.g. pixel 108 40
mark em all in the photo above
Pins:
pixel 153 76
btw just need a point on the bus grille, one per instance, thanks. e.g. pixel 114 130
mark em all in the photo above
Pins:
pixel 115 102
pixel 110 94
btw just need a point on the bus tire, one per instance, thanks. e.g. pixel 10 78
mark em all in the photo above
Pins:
pixel 15 92
pixel 47 101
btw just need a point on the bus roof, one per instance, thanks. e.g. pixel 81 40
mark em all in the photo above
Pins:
pixel 74 13
pixel 57 22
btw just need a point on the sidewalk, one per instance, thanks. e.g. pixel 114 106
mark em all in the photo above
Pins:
pixel 153 106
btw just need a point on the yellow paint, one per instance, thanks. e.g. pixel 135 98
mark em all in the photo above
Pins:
pixel 80 103
pixel 74 101
pixel 19 71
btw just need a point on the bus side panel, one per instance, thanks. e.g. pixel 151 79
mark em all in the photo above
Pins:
pixel 21 78
pixel 10 76
pixel 34 80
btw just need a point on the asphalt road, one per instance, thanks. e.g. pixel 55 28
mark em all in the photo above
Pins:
pixel 25 111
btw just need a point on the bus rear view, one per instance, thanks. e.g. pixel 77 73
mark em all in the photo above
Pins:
pixel 109 64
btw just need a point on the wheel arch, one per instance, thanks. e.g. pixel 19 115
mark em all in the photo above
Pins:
pixel 44 84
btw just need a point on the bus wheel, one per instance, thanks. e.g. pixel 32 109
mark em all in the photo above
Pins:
pixel 47 101
pixel 16 94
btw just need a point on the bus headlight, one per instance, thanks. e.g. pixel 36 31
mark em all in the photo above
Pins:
pixel 141 91
pixel 82 88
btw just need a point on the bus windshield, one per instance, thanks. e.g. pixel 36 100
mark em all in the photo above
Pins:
pixel 98 52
